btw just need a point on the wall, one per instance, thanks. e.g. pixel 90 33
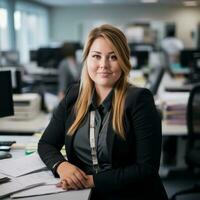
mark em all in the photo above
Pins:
pixel 73 23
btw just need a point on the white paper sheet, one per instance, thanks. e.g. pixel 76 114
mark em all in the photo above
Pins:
pixel 48 188
pixel 40 190
pixel 20 166
pixel 18 184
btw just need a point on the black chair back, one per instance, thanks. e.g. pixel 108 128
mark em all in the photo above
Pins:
pixel 193 125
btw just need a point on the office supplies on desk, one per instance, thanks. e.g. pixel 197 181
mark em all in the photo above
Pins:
pixel 3 178
pixel 174 112
pixel 35 184
pixel 4 148
pixel 7 143
pixel 22 183
pixel 20 166
pixel 4 155
pixel 26 106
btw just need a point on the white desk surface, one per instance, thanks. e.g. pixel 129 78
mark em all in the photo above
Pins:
pixel 70 195
pixel 23 126
pixel 16 153
pixel 173 130
pixel 40 122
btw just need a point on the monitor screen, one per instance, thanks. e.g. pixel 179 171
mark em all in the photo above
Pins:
pixel 49 57
pixel 139 59
pixel 190 58
pixel 6 101
pixel 16 79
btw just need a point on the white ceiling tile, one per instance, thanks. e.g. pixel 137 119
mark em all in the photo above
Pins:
pixel 112 2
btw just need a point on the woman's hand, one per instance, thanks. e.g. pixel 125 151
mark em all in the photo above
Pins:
pixel 71 177
pixel 90 181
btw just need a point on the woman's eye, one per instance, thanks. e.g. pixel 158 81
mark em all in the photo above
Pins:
pixel 96 56
pixel 113 57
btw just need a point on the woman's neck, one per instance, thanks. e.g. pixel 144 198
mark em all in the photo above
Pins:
pixel 102 93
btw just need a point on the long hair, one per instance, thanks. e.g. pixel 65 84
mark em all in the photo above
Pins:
pixel 120 47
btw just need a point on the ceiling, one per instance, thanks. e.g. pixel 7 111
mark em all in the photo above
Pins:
pixel 108 2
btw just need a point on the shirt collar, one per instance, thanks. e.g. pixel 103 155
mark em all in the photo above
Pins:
pixel 106 104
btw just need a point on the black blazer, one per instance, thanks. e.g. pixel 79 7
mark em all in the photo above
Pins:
pixel 135 161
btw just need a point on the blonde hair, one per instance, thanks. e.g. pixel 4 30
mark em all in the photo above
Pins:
pixel 120 47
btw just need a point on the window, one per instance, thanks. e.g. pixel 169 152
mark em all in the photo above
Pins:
pixel 4 41
pixel 31 26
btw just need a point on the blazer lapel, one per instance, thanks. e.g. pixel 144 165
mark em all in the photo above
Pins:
pixel 69 139
pixel 110 139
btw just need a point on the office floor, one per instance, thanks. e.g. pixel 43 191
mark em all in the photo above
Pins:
pixel 179 180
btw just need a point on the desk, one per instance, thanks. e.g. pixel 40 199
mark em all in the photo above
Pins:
pixel 9 126
pixel 77 195
pixel 16 153
pixel 173 130
pixel 41 121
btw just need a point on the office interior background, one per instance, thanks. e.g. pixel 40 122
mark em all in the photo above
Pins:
pixel 33 31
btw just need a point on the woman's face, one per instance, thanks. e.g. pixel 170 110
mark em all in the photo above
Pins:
pixel 102 64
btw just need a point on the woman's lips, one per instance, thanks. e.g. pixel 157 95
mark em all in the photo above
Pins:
pixel 104 74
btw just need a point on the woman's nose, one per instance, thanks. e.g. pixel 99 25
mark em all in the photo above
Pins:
pixel 104 63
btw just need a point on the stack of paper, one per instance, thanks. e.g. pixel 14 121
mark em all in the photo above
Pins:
pixel 51 189
pixel 20 184
pixel 175 113
pixel 26 180
pixel 20 166
pixel 48 187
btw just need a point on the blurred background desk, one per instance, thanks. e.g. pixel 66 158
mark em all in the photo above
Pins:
pixel 173 129
pixel 24 127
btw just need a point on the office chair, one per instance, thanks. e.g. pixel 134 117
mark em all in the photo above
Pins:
pixel 192 156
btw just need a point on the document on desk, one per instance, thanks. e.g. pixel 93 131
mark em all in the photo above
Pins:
pixel 52 189
pixel 20 166
pixel 18 184
pixel 37 191
pixel 45 177
pixel 49 186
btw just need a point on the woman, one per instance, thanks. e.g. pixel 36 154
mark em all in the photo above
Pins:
pixel 68 69
pixel 118 153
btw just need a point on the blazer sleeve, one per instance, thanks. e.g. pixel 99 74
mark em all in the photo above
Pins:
pixel 146 125
pixel 53 138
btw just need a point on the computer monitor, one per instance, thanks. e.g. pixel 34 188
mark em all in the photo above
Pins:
pixel 190 58
pixel 10 58
pixel 16 78
pixel 50 57
pixel 139 59
pixel 6 100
